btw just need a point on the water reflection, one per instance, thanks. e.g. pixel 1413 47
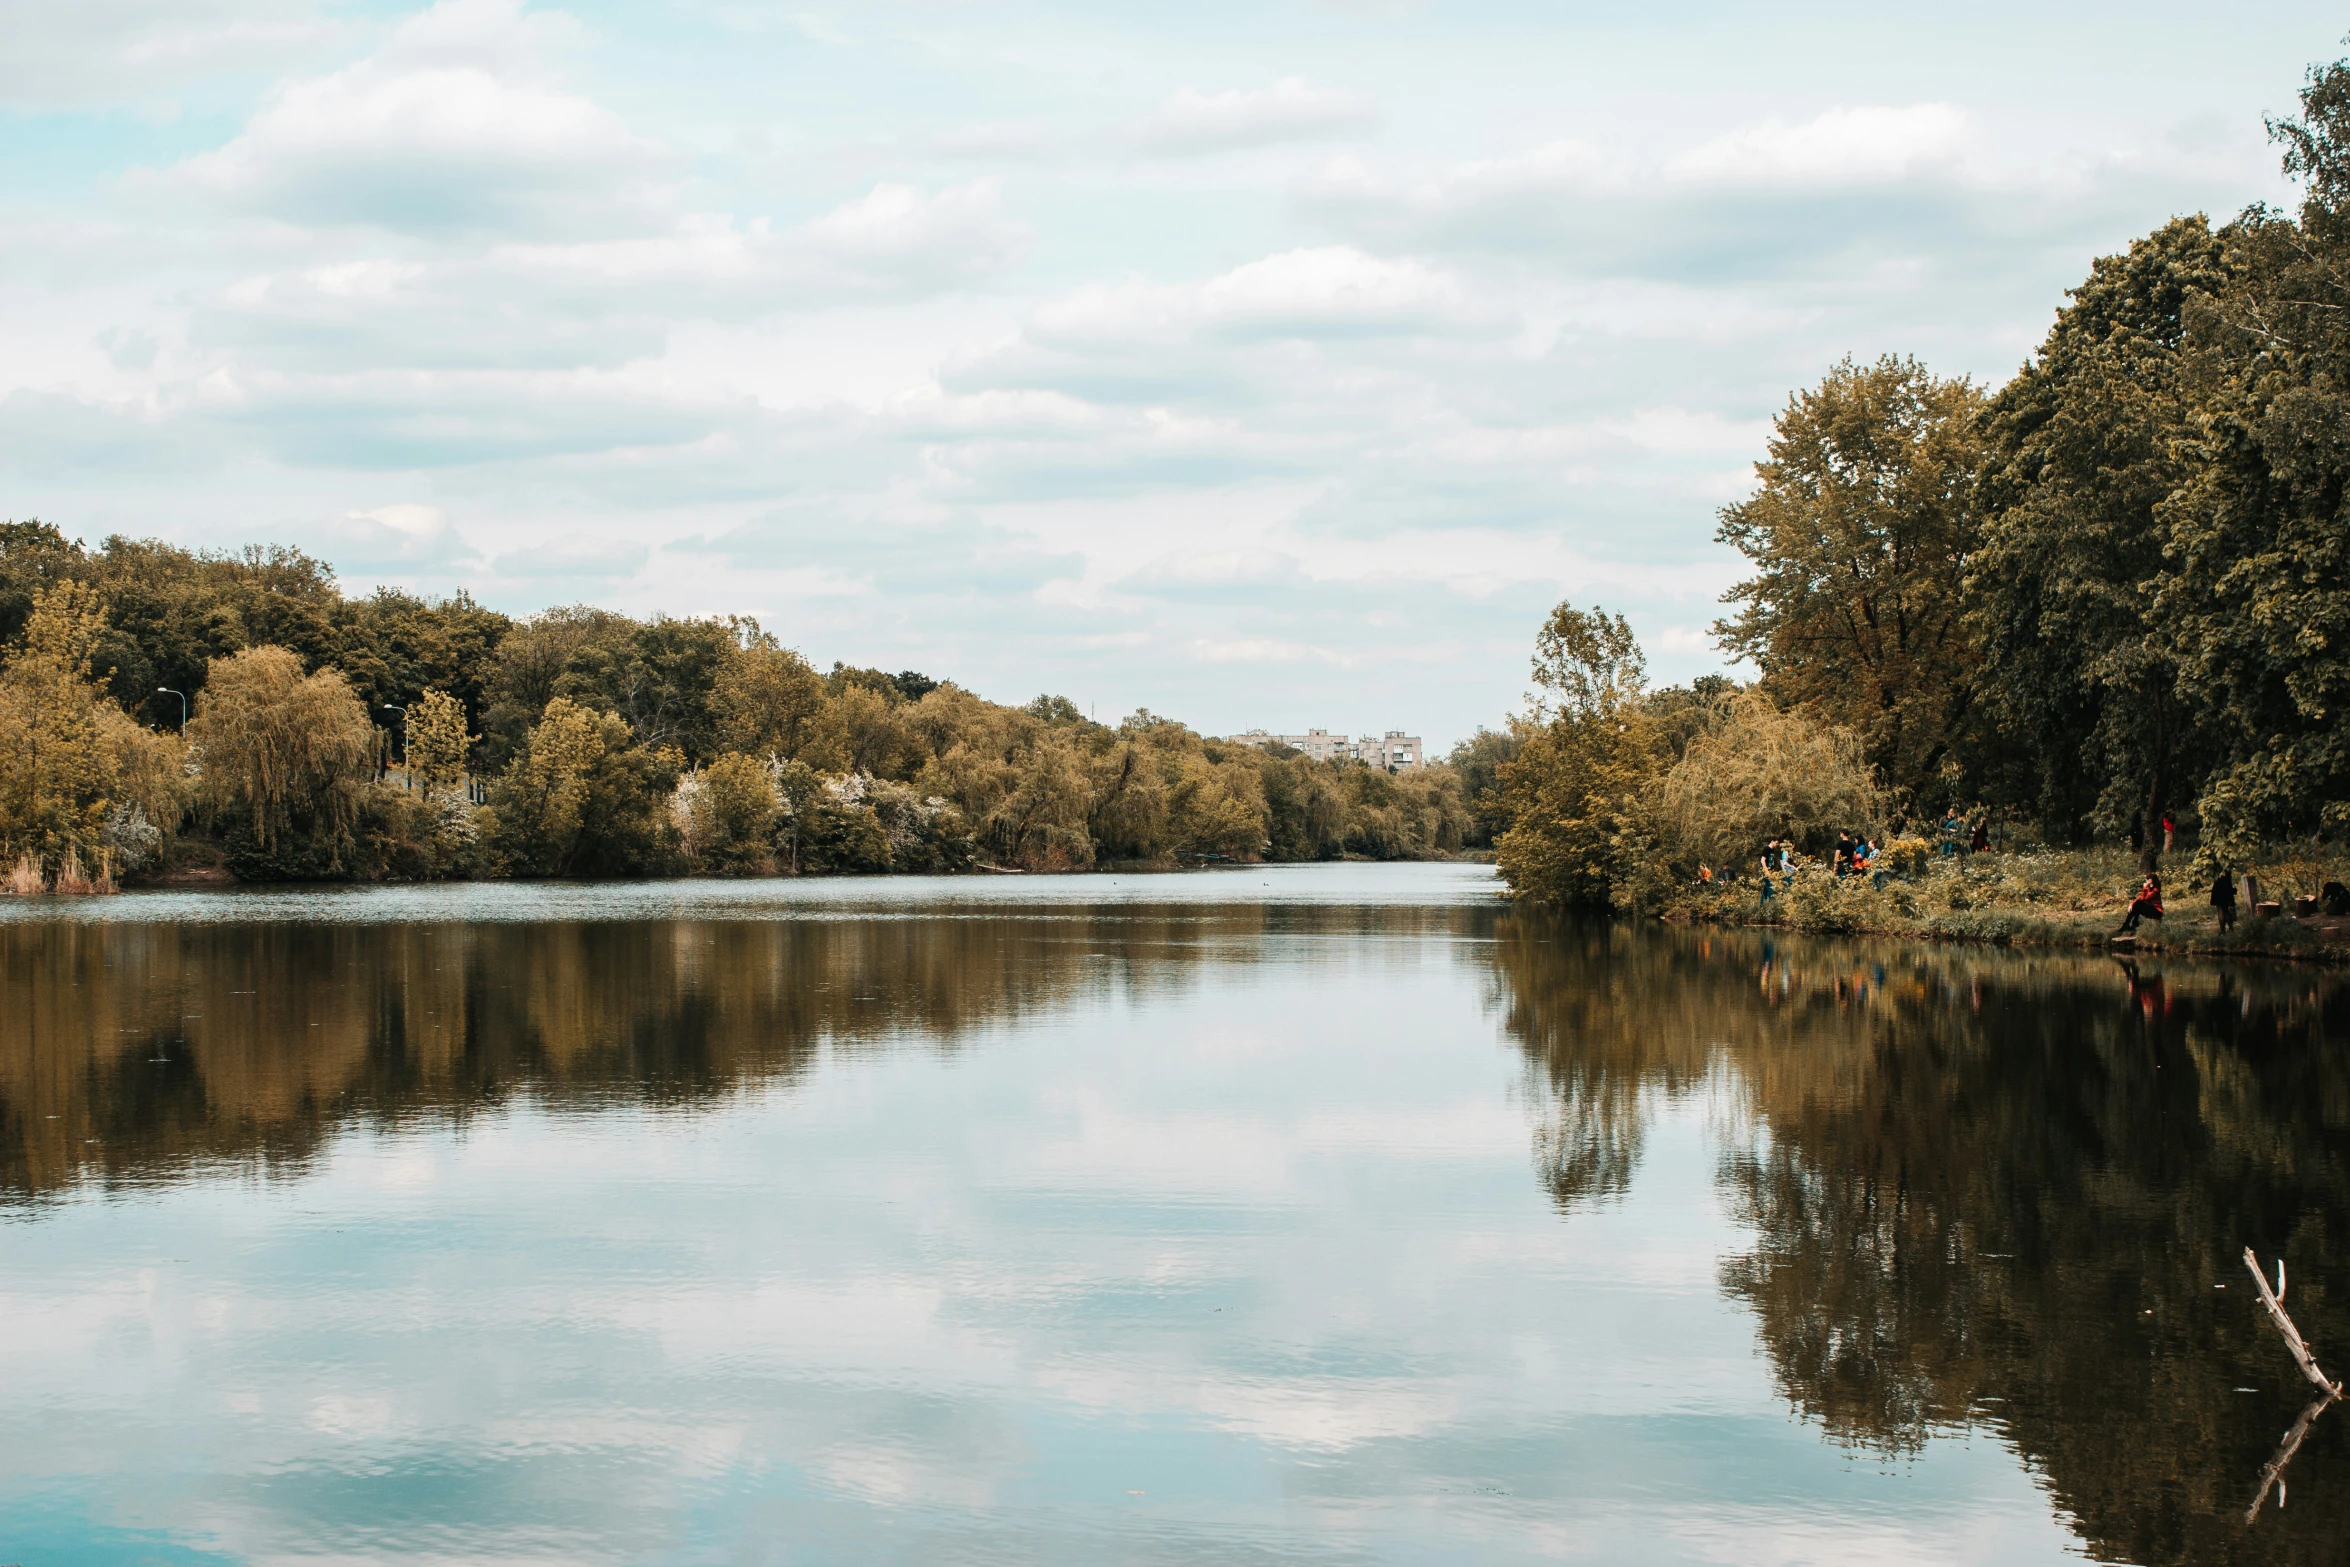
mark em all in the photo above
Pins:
pixel 908 1232
pixel 1996 1190
pixel 130 1052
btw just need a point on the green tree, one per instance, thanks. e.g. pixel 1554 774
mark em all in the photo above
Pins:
pixel 1576 794
pixel 1479 760
pixel 540 801
pixel 661 680
pixel 2255 605
pixel 766 699
pixel 733 814
pixel 1861 530
pixel 2087 444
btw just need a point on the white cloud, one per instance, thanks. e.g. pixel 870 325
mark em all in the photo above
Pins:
pixel 983 333
pixel 121 51
pixel 574 556
pixel 1325 290
pixel 1862 145
pixel 1292 109
pixel 898 236
pixel 1263 650
pixel 397 537
pixel 603 303
pixel 452 127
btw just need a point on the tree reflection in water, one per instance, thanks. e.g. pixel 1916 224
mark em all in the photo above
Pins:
pixel 1985 1190
pixel 130 1053
pixel 1994 1190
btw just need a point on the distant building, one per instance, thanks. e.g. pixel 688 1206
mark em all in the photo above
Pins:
pixel 1395 751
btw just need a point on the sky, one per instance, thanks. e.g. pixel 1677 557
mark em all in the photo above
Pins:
pixel 1276 364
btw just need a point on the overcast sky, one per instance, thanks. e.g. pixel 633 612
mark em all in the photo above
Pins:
pixel 1274 363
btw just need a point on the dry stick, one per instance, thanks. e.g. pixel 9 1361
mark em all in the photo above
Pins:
pixel 2293 1339
pixel 2274 1473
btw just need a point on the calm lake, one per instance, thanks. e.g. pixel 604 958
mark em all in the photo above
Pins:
pixel 1332 1214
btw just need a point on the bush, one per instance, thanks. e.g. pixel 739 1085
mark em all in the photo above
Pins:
pixel 1908 856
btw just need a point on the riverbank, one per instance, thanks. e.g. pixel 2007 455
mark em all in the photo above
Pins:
pixel 2069 899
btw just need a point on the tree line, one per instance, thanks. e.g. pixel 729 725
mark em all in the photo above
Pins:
pixel 2114 590
pixel 162 708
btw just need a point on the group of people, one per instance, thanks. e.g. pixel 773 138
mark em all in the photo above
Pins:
pixel 1856 854
pixel 1961 836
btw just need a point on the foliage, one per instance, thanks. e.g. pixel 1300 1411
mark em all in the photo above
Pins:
pixel 437 743
pixel 2086 446
pixel 584 798
pixel 284 756
pixel 1860 532
pixel 1577 799
pixel 1477 762
pixel 1759 772
pixel 1586 662
pixel 732 815
pixel 614 746
pixel 73 768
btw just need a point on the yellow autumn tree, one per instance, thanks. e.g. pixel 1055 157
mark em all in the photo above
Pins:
pixel 284 756
pixel 70 760
pixel 541 800
pixel 437 741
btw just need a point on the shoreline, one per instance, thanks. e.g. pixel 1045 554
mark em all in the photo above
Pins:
pixel 2186 933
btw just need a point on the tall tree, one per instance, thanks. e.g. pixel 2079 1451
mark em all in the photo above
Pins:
pixel 2086 446
pixel 1861 531
pixel 2256 606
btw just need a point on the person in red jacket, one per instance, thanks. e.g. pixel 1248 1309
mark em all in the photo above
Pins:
pixel 2146 905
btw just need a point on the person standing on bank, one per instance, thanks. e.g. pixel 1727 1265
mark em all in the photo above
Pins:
pixel 2146 905
pixel 2223 898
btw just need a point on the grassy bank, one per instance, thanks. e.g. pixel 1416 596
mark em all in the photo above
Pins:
pixel 2048 898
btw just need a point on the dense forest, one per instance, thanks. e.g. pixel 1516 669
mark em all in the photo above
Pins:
pixel 2115 590
pixel 170 712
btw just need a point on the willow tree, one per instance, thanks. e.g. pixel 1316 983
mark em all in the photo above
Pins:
pixel 1759 772
pixel 1860 531
pixel 285 756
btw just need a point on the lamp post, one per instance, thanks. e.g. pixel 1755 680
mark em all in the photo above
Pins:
pixel 394 707
pixel 183 696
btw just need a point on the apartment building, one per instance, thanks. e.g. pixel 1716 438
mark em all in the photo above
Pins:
pixel 1395 751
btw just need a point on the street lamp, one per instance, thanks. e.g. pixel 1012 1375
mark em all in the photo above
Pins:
pixel 183 696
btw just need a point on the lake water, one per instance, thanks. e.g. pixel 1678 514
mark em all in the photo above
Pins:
pixel 1321 1215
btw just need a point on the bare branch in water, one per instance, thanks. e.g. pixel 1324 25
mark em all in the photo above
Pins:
pixel 2292 1335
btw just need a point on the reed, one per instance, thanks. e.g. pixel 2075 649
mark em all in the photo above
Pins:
pixel 24 878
